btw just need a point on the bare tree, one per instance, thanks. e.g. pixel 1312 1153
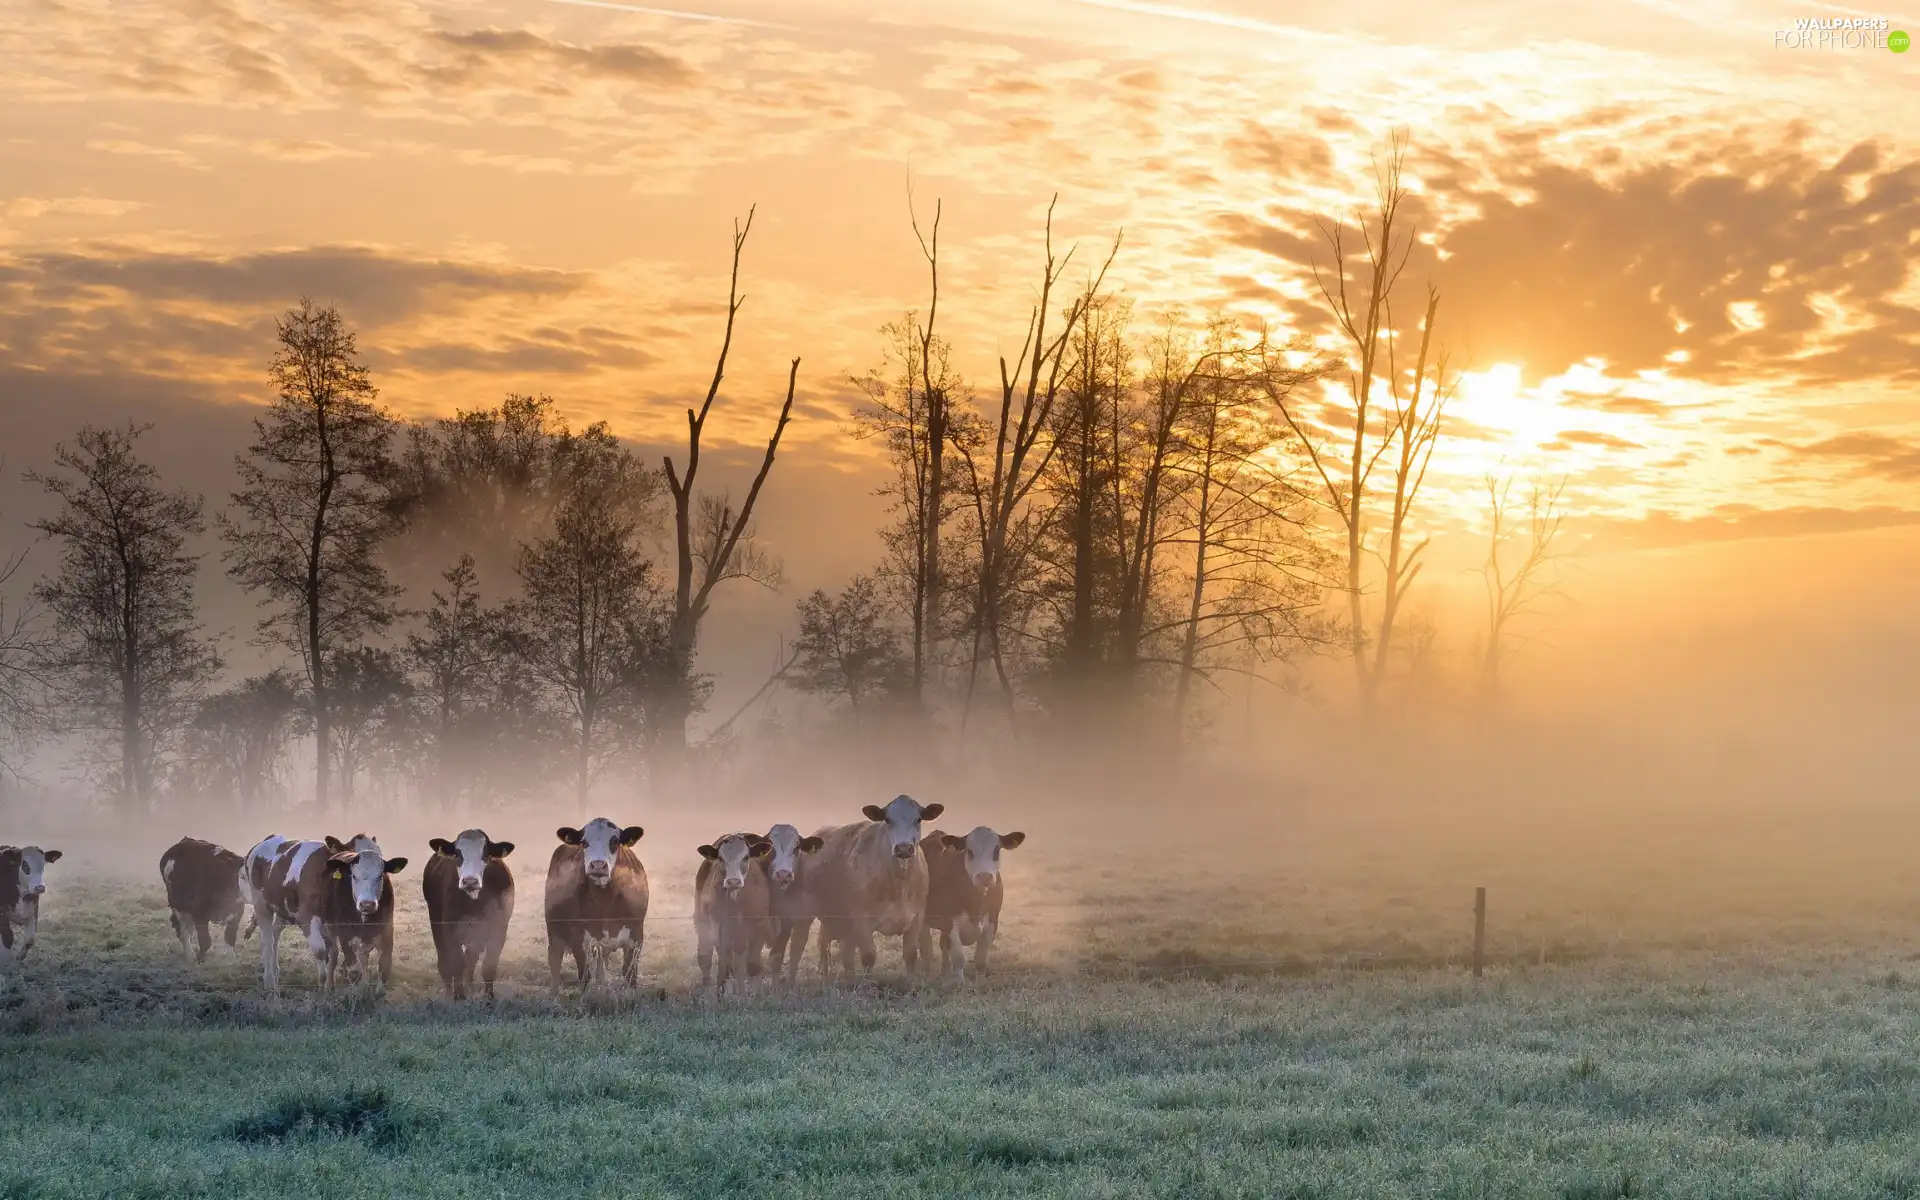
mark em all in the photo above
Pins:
pixel 713 542
pixel 315 504
pixel 126 649
pixel 1515 587
pixel 22 681
pixel 1402 427
pixel 1010 461
pixel 1255 572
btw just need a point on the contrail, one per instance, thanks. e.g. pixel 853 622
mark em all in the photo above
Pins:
pixel 671 12
pixel 1205 17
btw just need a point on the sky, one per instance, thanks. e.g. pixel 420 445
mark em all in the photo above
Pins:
pixel 1676 258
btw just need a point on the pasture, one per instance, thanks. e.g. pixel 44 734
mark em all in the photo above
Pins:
pixel 1724 1009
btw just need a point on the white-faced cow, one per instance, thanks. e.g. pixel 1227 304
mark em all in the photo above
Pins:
pixel 965 892
pixel 870 878
pixel 469 890
pixel 341 900
pixel 730 909
pixel 596 901
pixel 790 899
pixel 203 886
pixel 23 880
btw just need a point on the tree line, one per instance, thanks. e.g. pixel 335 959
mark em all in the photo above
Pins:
pixel 1081 547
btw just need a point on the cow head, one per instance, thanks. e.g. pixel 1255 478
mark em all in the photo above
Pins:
pixel 472 851
pixel 601 840
pixel 365 872
pixel 982 849
pixel 902 817
pixel 732 855
pixel 29 863
pixel 785 846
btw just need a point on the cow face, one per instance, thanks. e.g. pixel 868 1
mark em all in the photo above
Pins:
pixel 902 817
pixel 982 849
pixel 472 851
pixel 784 848
pixel 732 855
pixel 601 840
pixel 30 862
pixel 366 872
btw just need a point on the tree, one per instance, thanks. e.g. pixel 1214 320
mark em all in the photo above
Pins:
pixel 1514 588
pixel 1346 447
pixel 238 739
pixel 587 589
pixel 22 683
pixel 368 695
pixel 454 659
pixel 126 649
pixel 315 503
pixel 849 647
pixel 1008 464
pixel 713 542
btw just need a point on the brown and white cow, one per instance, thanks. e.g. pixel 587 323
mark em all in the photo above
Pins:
pixel 870 878
pixel 965 892
pixel 203 886
pixel 596 901
pixel 469 890
pixel 791 896
pixel 731 913
pixel 23 880
pixel 341 900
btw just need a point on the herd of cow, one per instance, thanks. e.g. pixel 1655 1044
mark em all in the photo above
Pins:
pixel 753 893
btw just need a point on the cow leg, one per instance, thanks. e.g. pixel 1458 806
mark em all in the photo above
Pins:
pixel 989 930
pixel 386 957
pixel 490 960
pixel 233 932
pixel 799 947
pixel 205 938
pixel 270 956
pixel 630 964
pixel 863 940
pixel 29 929
pixel 703 951
pixel 6 935
pixel 179 931
pixel 556 955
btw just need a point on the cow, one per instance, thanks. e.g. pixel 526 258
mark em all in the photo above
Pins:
pixel 731 909
pixel 253 878
pixel 964 894
pixel 469 890
pixel 23 880
pixel 790 896
pixel 596 901
pixel 870 878
pixel 341 900
pixel 203 884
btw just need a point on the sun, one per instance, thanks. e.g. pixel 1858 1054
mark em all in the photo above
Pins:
pixel 1497 401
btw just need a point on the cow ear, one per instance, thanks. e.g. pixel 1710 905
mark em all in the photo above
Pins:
pixel 334 843
pixel 873 812
pixel 631 834
pixel 499 849
pixel 441 846
pixel 51 856
pixel 950 841
pixel 569 835
pixel 709 852
pixel 760 850
pixel 1011 841
pixel 396 865
pixel 809 844
pixel 932 812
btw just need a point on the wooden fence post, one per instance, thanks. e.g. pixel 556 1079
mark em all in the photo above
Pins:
pixel 1479 929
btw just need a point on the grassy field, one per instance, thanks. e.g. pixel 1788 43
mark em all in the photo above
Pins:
pixel 1677 1006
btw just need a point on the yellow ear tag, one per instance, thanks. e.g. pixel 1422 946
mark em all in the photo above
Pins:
pixel 338 875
